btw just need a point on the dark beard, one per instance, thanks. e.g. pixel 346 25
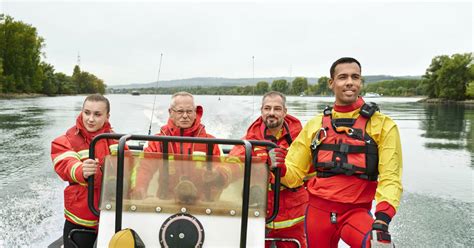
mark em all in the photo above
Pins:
pixel 273 124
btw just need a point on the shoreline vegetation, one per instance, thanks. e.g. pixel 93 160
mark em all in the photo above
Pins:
pixel 24 73
pixel 10 96
pixel 445 101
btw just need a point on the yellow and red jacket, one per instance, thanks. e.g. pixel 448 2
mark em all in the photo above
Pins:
pixel 348 189
pixel 68 151
pixel 146 171
pixel 292 205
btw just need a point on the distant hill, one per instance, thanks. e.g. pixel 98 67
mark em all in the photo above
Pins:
pixel 215 81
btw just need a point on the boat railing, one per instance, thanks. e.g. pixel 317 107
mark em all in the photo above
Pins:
pixel 123 138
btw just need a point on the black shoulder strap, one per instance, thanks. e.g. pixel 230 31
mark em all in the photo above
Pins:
pixel 368 109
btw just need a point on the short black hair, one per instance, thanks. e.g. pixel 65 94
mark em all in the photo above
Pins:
pixel 343 60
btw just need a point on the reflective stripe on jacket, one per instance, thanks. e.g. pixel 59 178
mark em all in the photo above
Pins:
pixel 145 171
pixel 292 204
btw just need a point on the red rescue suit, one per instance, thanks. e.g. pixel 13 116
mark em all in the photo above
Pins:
pixel 177 172
pixel 289 222
pixel 68 152
pixel 347 161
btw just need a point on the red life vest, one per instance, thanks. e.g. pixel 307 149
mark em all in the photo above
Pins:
pixel 342 146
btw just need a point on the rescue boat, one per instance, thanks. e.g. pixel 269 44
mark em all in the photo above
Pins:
pixel 235 216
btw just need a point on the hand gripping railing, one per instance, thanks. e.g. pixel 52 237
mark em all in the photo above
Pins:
pixel 90 179
pixel 165 139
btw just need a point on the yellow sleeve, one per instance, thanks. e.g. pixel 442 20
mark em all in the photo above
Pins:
pixel 385 133
pixel 298 159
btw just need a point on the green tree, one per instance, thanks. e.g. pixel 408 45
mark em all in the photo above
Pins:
pixel 398 87
pixel 20 50
pixel 262 88
pixel 65 84
pixel 49 82
pixel 87 83
pixel 299 85
pixel 448 77
pixel 323 87
pixel 2 78
pixel 280 85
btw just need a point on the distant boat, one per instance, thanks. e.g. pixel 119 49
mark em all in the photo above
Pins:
pixel 372 95
pixel 135 93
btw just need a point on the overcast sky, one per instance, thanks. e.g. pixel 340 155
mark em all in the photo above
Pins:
pixel 121 42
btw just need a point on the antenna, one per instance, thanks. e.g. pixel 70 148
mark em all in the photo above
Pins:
pixel 253 87
pixel 154 100
pixel 78 59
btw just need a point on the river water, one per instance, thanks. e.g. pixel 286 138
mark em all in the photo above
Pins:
pixel 438 159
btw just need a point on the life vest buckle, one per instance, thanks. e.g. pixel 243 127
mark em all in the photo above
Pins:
pixel 348 169
pixel 344 148
pixel 327 110
pixel 368 109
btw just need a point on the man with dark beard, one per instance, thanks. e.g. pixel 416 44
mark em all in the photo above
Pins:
pixel 277 126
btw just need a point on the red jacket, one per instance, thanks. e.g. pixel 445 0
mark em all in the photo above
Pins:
pixel 68 151
pixel 292 201
pixel 177 170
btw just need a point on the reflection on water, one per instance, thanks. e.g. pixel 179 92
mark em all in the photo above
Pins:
pixel 437 143
pixel 449 127
pixel 444 122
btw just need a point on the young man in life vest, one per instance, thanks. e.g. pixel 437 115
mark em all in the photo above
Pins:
pixel 355 153
pixel 182 181
pixel 70 155
pixel 277 126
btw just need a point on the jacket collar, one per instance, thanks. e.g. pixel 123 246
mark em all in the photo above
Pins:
pixel 257 129
pixel 90 135
pixel 349 108
pixel 171 129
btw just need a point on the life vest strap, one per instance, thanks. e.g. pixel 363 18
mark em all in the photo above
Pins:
pixel 343 148
pixel 344 169
pixel 330 169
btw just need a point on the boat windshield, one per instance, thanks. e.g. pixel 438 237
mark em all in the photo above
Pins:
pixel 198 183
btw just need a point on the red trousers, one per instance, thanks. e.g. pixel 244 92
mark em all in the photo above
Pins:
pixel 294 232
pixel 327 222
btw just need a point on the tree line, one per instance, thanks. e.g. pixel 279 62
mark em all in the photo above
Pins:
pixel 23 71
pixel 448 77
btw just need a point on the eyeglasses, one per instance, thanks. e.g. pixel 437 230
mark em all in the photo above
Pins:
pixel 182 111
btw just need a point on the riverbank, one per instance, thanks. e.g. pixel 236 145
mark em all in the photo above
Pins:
pixel 19 95
pixel 445 101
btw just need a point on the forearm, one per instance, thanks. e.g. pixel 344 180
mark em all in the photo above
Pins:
pixel 389 189
pixel 66 162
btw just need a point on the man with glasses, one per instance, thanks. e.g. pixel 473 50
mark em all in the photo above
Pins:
pixel 183 181
pixel 277 126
